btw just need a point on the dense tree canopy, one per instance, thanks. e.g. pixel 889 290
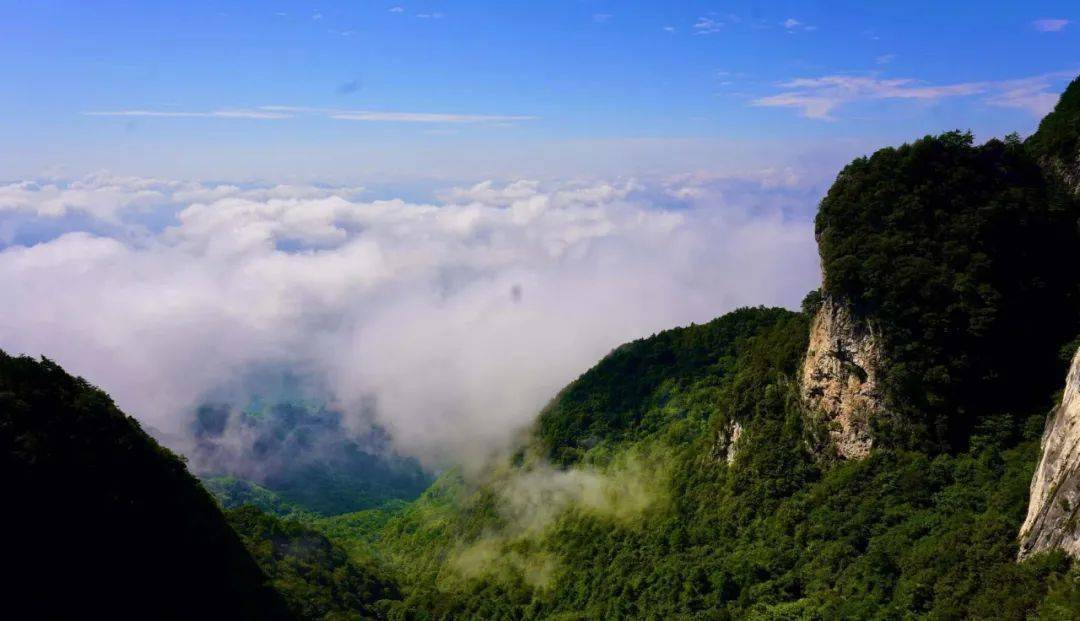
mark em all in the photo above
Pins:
pixel 614 398
pixel 316 577
pixel 774 534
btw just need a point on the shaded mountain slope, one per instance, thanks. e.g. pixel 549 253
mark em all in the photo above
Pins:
pixel 105 523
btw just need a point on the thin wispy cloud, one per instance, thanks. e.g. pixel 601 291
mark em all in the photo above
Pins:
pixel 288 112
pixel 707 26
pixel 265 114
pixel 793 25
pixel 430 15
pixel 885 59
pixel 601 18
pixel 1050 25
pixel 1036 94
pixel 818 98
pixel 669 28
pixel 396 9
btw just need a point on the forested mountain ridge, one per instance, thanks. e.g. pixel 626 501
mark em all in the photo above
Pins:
pixel 926 365
pixel 104 522
pixel 1052 520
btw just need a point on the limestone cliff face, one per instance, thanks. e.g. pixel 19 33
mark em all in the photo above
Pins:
pixel 840 377
pixel 1054 508
pixel 726 447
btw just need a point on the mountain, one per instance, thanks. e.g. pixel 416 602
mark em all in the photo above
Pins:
pixel 868 457
pixel 1052 518
pixel 961 258
pixel 293 457
pixel 103 522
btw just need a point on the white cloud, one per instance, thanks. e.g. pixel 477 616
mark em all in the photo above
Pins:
pixel 1036 95
pixel 430 15
pixel 669 28
pixel 885 59
pixel 818 98
pixel 460 317
pixel 793 25
pixel 396 9
pixel 707 26
pixel 316 16
pixel 1050 25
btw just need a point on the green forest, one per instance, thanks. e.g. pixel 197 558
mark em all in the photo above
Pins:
pixel 682 476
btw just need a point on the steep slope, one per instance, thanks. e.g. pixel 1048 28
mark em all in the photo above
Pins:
pixel 1055 490
pixel 101 521
pixel 1057 142
pixel 624 396
pixel 840 377
pixel 962 258
pixel 1053 518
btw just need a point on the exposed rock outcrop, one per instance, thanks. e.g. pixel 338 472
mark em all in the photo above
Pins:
pixel 840 377
pixel 727 440
pixel 1054 508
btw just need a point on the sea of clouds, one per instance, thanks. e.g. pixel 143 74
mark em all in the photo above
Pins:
pixel 448 322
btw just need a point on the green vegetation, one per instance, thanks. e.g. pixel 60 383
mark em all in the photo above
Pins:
pixel 1057 143
pixel 316 577
pixel 104 522
pixel 231 493
pixel 357 531
pixel 623 397
pixel 775 535
pixel 965 257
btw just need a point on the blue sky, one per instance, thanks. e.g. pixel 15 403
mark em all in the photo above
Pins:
pixel 472 90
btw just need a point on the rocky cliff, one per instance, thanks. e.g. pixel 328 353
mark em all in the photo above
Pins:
pixel 1054 507
pixel 840 377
